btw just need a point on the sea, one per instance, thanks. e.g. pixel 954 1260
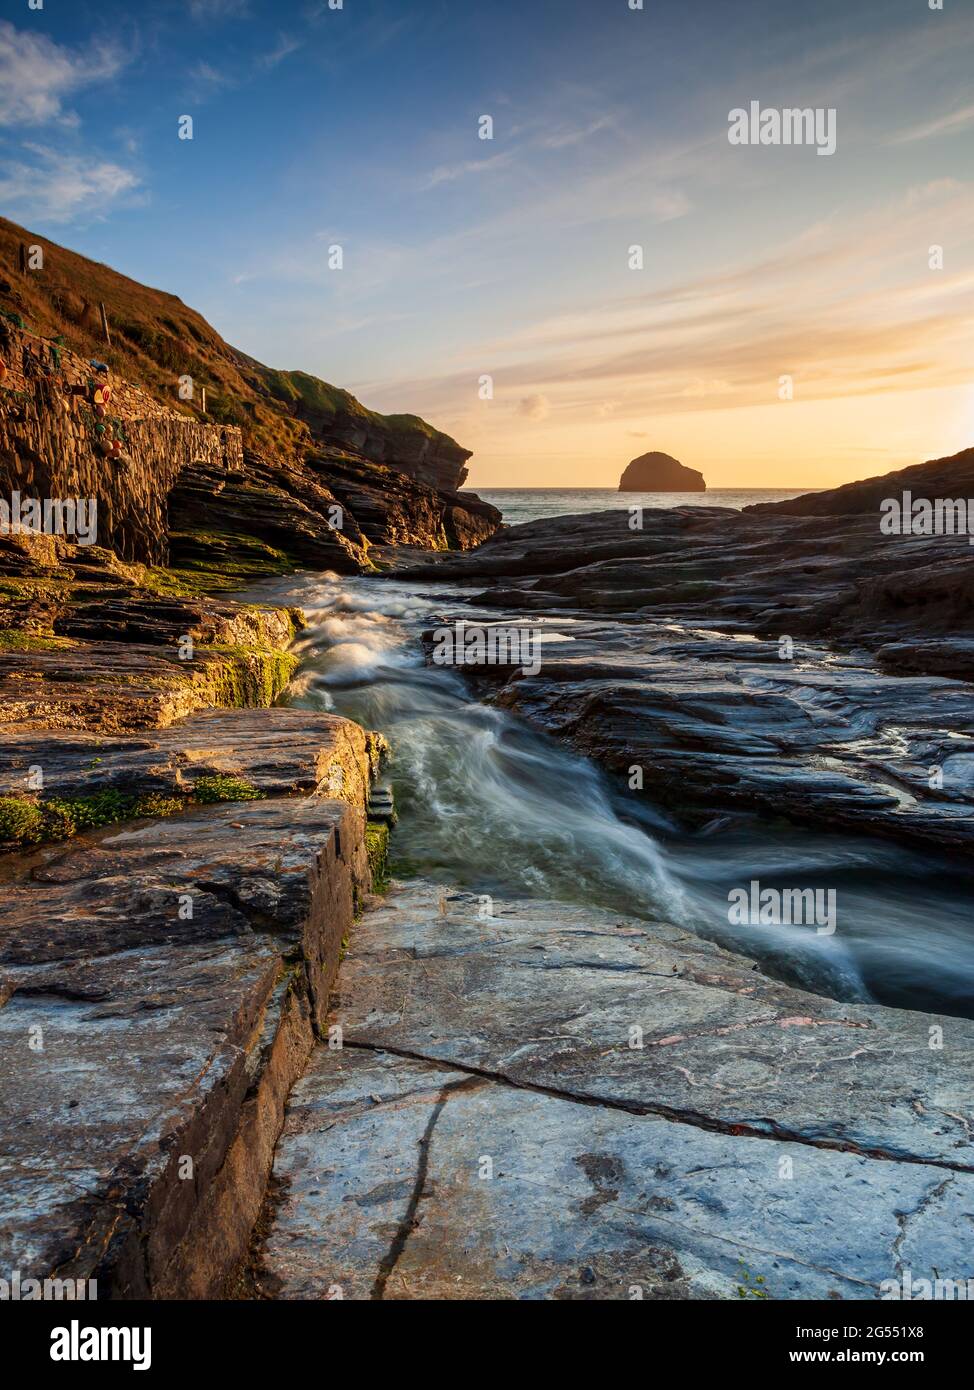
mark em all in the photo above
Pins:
pixel 531 504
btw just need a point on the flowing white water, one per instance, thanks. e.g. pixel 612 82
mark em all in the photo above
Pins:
pixel 489 804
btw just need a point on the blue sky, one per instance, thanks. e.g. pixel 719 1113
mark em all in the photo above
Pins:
pixel 509 257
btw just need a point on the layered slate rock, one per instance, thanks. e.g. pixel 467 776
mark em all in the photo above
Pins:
pixel 161 989
pixel 59 782
pixel 275 504
pixel 112 686
pixel 769 574
pixel 393 509
pixel 106 654
pixel 656 472
pixel 795 665
pixel 276 752
pixel 550 1102
pixel 714 722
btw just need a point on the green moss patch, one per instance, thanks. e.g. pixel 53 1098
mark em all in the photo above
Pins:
pixel 21 822
pixel 218 561
pixel 377 849
pixel 255 678
pixel 16 640
pixel 215 787
pixel 49 819
pixel 24 822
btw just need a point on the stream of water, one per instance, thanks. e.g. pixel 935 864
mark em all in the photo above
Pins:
pixel 488 804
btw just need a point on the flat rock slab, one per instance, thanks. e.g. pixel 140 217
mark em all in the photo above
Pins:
pixel 276 751
pixel 121 686
pixel 402 1180
pixel 145 977
pixel 215 873
pixel 488 1128
pixel 105 1068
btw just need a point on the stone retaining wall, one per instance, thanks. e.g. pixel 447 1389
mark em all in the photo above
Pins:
pixel 55 443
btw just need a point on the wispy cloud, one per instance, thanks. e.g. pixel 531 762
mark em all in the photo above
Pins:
pixel 561 139
pixel 449 173
pixel 59 188
pixel 37 75
pixel 285 46
pixel 948 124
pixel 210 76
pixel 723 339
pixel 530 140
pixel 204 81
pixel 668 204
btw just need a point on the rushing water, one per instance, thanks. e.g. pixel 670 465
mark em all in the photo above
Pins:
pixel 487 803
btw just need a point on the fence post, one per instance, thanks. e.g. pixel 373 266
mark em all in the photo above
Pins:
pixel 104 324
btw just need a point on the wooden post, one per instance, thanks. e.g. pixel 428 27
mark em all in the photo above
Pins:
pixel 23 259
pixel 104 324
pixel 202 400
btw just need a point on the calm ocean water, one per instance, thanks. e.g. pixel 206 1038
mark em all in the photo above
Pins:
pixel 530 504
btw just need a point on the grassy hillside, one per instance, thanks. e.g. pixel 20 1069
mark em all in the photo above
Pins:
pixel 156 339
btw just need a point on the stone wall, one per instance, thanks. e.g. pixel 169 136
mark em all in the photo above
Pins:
pixel 56 443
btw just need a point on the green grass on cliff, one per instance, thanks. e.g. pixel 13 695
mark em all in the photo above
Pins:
pixel 156 338
pixel 314 395
pixel 408 424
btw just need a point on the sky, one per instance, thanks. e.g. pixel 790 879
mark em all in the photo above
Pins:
pixel 789 325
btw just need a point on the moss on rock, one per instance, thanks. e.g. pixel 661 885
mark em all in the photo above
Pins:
pixel 215 787
pixel 27 822
pixel 255 677
pixel 21 822
pixel 45 820
pixel 377 849
pixel 17 640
